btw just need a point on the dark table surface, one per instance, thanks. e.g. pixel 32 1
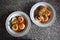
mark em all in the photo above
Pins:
pixel 35 33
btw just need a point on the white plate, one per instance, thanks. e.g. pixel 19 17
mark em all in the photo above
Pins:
pixel 24 32
pixel 52 18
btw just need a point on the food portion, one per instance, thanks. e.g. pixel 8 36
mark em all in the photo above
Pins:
pixel 17 23
pixel 42 14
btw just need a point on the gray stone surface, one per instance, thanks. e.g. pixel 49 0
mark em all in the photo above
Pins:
pixel 35 33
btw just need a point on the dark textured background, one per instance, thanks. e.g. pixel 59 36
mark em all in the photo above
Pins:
pixel 35 33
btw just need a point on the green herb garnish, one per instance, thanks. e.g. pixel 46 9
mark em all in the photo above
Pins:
pixel 41 12
pixel 11 23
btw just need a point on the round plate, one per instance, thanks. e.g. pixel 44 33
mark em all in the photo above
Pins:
pixel 52 18
pixel 18 34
